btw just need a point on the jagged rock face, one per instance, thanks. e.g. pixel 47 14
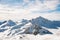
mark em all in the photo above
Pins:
pixel 36 29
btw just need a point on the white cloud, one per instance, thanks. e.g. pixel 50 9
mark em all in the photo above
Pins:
pixel 16 12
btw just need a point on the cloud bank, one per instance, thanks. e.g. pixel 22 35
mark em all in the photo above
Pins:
pixel 29 8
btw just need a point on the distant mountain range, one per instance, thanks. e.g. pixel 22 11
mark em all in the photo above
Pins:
pixel 33 26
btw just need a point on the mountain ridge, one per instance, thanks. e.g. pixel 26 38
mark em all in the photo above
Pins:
pixel 27 26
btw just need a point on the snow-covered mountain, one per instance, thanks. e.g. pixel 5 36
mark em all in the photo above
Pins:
pixel 6 24
pixel 45 22
pixel 33 26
